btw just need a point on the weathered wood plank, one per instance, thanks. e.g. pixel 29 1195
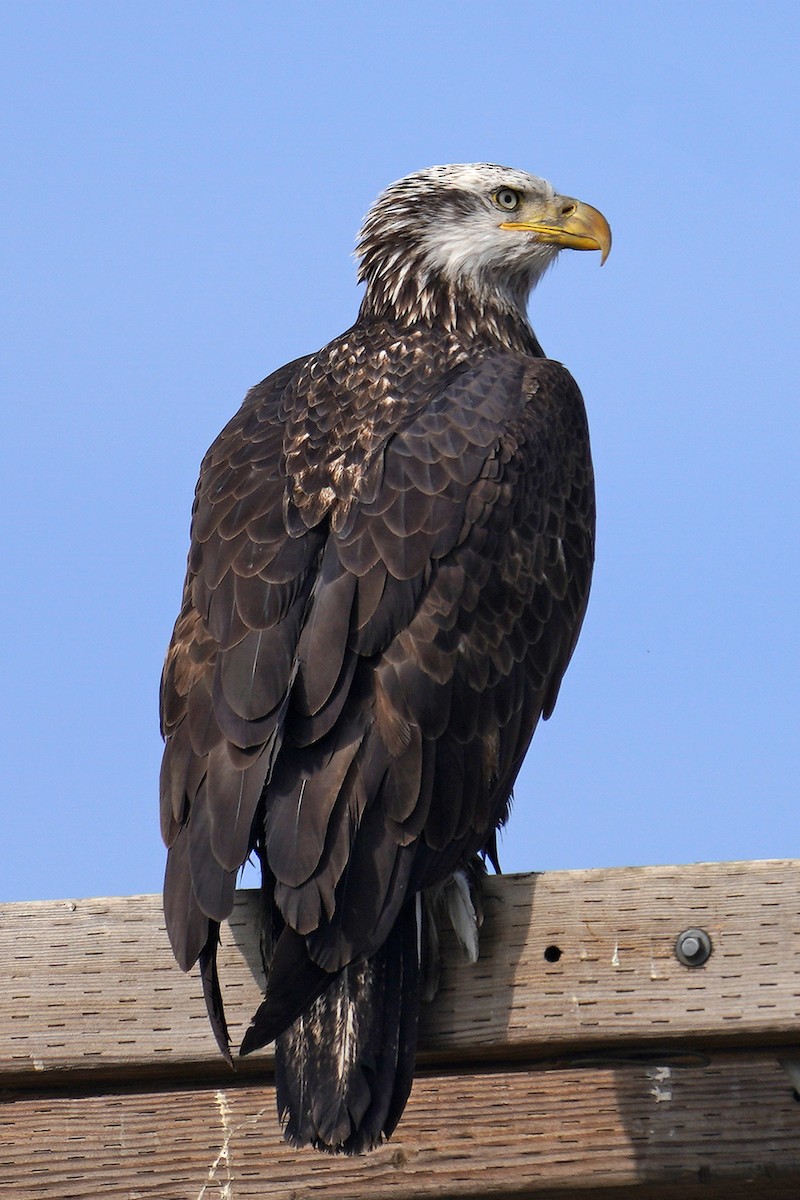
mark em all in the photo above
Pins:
pixel 91 984
pixel 728 1127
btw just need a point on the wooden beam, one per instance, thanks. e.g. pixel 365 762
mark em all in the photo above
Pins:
pixel 710 1128
pixel 105 967
pixel 577 1060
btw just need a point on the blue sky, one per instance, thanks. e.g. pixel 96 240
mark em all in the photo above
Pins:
pixel 183 184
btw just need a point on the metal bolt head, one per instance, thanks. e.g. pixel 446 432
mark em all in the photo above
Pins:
pixel 693 947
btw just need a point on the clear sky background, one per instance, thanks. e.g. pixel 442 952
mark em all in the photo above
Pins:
pixel 182 185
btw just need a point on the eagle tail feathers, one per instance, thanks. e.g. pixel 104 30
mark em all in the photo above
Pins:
pixel 344 1068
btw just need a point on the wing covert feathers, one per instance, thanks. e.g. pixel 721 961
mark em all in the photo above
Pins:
pixel 390 559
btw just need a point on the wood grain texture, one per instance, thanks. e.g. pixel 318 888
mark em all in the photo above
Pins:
pixel 577 1060
pixel 91 985
pixel 724 1127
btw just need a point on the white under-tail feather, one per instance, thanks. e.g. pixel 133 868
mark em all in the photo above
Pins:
pixel 460 909
pixel 454 899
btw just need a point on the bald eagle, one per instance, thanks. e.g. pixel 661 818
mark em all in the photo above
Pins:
pixel 391 550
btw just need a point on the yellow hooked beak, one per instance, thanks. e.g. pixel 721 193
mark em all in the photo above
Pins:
pixel 571 224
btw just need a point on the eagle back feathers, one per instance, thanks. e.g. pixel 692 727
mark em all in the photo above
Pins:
pixel 391 552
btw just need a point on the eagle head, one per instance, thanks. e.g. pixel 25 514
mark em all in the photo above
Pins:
pixel 466 234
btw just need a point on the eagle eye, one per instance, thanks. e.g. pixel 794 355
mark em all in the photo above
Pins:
pixel 507 198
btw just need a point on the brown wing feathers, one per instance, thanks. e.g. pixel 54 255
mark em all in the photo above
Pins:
pixel 385 585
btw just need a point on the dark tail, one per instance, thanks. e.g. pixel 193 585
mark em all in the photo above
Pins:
pixel 344 1069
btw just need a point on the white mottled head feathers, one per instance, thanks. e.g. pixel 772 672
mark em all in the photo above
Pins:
pixel 440 230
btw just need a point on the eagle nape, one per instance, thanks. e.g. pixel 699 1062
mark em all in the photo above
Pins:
pixel 390 559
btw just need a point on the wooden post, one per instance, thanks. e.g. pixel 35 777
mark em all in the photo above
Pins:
pixel 577 1060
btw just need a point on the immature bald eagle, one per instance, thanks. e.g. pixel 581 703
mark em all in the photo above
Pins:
pixel 390 559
